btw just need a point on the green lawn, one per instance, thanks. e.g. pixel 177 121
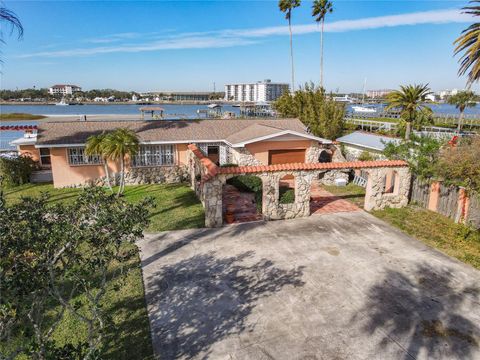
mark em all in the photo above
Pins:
pixel 433 229
pixel 176 208
pixel 20 116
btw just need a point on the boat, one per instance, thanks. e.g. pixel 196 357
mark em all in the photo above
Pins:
pixel 62 103
pixel 364 109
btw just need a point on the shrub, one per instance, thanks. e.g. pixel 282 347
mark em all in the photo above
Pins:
pixel 366 156
pixel 229 165
pixel 287 195
pixel 249 183
pixel 16 170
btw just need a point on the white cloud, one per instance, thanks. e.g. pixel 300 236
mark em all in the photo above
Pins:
pixel 242 37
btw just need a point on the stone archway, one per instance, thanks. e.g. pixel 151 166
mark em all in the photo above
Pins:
pixel 242 199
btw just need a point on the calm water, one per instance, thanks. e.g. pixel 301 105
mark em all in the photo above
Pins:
pixel 171 111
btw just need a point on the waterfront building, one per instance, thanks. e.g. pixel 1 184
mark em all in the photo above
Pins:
pixel 261 91
pixel 64 89
pixel 446 93
pixel 374 94
pixel 179 95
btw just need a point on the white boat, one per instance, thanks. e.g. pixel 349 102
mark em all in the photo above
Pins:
pixel 62 103
pixel 364 109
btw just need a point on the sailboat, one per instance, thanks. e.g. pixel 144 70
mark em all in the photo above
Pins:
pixel 362 108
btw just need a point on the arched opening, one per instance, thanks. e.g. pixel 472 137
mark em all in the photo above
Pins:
pixel 325 156
pixel 242 199
pixel 286 189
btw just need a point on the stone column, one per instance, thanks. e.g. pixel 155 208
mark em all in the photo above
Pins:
pixel 213 203
pixel 376 199
pixel 270 191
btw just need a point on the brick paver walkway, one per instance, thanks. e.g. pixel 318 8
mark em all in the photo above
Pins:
pixel 323 202
pixel 245 209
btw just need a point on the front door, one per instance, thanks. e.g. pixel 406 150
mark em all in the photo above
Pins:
pixel 213 153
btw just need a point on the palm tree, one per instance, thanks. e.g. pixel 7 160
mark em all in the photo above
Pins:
pixel 96 146
pixel 469 43
pixel 286 6
pixel 462 100
pixel 119 144
pixel 320 9
pixel 12 20
pixel 410 100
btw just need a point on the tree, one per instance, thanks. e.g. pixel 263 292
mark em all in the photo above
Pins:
pixel 11 19
pixel 462 100
pixel 459 165
pixel 410 100
pixel 322 115
pixel 286 6
pixel 421 153
pixel 56 263
pixel 320 9
pixel 469 43
pixel 119 144
pixel 96 146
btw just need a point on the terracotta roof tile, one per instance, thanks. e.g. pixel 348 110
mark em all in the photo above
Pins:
pixel 312 166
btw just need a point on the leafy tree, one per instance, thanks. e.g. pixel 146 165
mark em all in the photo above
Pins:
pixel 468 43
pixel 410 100
pixel 118 144
pixel 96 146
pixel 323 116
pixel 56 263
pixel 462 100
pixel 460 165
pixel 287 6
pixel 421 153
pixel 320 9
pixel 16 170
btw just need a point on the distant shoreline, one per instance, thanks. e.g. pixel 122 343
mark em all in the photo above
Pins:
pixel 51 103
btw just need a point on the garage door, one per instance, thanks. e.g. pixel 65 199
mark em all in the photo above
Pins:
pixel 286 156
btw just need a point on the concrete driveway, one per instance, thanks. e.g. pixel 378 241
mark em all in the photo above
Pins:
pixel 337 286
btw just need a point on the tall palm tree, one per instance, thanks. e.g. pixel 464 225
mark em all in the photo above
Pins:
pixel 286 6
pixel 96 146
pixel 11 20
pixel 462 100
pixel 119 144
pixel 469 43
pixel 410 100
pixel 320 9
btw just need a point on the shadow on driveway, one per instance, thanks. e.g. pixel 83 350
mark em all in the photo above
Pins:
pixel 204 298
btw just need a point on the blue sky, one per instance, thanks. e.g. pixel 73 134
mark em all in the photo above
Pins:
pixel 188 45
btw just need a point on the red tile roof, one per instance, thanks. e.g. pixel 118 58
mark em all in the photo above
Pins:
pixel 213 170
pixel 312 166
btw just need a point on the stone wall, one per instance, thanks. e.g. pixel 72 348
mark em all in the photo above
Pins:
pixel 243 157
pixel 375 196
pixel 157 174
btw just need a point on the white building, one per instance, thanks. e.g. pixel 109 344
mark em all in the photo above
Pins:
pixel 378 93
pixel 446 93
pixel 261 91
pixel 64 89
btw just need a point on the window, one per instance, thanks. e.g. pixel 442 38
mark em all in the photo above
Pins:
pixel 154 155
pixel 77 156
pixel 45 157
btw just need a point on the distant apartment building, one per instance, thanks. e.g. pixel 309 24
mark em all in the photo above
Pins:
pixel 374 94
pixel 261 91
pixel 64 89
pixel 446 93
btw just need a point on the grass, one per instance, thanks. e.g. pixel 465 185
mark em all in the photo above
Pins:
pixel 21 116
pixel 351 192
pixel 176 205
pixel 433 229
pixel 129 338
pixel 437 231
